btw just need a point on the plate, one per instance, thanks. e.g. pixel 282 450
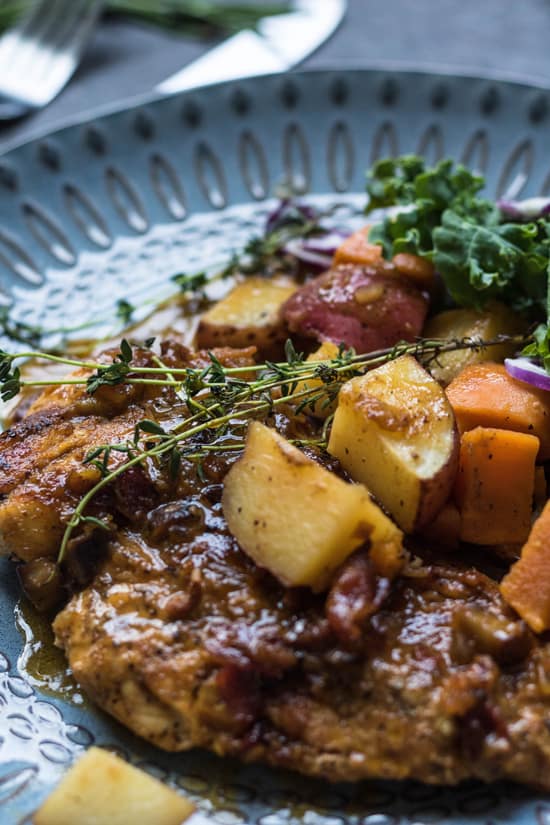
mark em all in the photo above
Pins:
pixel 112 207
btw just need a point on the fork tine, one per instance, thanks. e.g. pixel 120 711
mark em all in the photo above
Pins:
pixel 13 38
pixel 18 47
pixel 75 39
pixel 25 27
pixel 82 17
pixel 31 22
pixel 37 59
pixel 59 58
pixel 60 54
pixel 50 45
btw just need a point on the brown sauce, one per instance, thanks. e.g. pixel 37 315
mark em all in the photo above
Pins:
pixel 40 662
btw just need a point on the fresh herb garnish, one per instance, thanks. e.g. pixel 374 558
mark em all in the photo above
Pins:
pixel 267 253
pixel 190 283
pixel 425 194
pixel 112 374
pixel 19 330
pixel 218 400
pixel 479 256
pixel 124 311
pixel 10 377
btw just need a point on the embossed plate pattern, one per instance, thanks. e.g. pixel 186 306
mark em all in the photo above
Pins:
pixel 112 207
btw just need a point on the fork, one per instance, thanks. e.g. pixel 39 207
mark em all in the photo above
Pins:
pixel 39 55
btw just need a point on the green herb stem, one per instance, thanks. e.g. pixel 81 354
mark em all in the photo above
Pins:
pixel 157 451
pixel 299 371
pixel 250 399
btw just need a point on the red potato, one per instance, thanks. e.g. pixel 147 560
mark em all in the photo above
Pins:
pixel 364 307
pixel 394 431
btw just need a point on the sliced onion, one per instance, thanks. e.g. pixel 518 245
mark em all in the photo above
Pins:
pixel 525 369
pixel 526 210
pixel 283 212
pixel 302 250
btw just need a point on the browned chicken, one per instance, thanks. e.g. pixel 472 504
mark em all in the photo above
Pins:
pixel 175 632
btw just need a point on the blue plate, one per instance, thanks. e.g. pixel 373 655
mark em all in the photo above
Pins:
pixel 110 208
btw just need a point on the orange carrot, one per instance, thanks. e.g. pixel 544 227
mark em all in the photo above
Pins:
pixel 484 395
pixel 527 585
pixel 495 484
pixel 356 249
pixel 418 270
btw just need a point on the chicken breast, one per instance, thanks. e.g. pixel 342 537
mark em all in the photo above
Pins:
pixel 181 637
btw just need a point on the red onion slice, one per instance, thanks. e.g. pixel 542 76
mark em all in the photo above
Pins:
pixel 526 210
pixel 525 369
pixel 328 243
pixel 283 213
pixel 301 250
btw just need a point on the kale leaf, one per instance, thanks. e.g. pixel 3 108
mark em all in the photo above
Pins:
pixel 440 215
pixel 424 194
pixel 506 262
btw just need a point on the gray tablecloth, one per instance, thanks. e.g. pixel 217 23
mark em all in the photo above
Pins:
pixel 504 37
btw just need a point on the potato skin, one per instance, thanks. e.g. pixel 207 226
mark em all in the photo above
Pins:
pixel 248 316
pixel 364 307
pixel 434 492
pixel 394 431
pixel 277 500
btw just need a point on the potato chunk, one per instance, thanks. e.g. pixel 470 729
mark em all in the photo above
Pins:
pixel 395 432
pixel 496 320
pixel 248 316
pixel 321 408
pixel 296 518
pixel 101 788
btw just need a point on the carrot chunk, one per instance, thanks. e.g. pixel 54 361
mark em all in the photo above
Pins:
pixel 484 395
pixel 416 269
pixel 356 249
pixel 495 484
pixel 527 585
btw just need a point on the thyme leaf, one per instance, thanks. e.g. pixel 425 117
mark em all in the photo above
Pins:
pixel 18 330
pixel 220 401
pixel 124 311
pixel 112 374
pixel 190 283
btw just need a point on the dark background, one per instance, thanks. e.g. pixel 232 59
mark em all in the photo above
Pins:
pixel 506 38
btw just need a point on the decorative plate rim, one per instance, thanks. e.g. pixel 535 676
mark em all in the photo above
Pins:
pixel 76 721
pixel 146 98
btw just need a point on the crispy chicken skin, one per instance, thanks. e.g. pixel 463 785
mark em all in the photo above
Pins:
pixel 42 476
pixel 182 638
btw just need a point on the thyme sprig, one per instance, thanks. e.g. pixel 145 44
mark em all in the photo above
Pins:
pixel 218 401
pixel 266 253
pixel 224 381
